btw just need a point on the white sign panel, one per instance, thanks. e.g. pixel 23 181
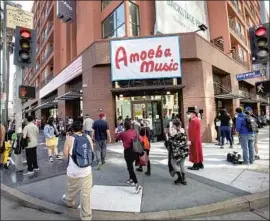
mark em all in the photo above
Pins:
pixel 66 75
pixel 19 17
pixel 145 58
pixel 181 16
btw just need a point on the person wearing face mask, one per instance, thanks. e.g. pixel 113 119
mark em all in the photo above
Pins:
pixel 194 136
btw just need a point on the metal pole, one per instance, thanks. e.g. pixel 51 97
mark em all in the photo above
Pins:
pixel 18 101
pixel 4 75
pixel 7 80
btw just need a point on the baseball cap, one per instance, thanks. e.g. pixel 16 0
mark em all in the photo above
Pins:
pixel 248 109
pixel 101 115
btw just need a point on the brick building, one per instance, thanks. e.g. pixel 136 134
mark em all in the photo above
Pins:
pixel 73 65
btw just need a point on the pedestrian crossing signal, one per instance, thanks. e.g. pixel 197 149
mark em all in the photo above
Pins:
pixel 27 92
pixel 263 87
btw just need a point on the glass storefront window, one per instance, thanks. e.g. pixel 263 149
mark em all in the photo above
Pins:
pixel 114 25
pixel 142 106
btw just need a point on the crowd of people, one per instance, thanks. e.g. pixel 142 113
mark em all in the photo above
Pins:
pixel 247 124
pixel 86 141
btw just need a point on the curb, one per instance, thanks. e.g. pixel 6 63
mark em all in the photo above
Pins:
pixel 245 203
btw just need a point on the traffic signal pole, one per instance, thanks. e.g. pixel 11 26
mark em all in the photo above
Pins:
pixel 18 101
pixel 4 75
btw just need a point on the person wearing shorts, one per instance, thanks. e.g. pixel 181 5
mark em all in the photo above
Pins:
pixel 51 135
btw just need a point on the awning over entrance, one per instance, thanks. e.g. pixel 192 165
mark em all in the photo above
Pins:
pixel 229 96
pixel 160 89
pixel 46 105
pixel 69 96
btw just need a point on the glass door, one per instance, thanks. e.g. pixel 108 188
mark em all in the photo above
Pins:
pixel 157 120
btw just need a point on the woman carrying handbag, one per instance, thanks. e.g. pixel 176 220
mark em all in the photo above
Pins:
pixel 129 137
pixel 145 134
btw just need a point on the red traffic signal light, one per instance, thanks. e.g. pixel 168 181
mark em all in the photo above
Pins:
pixel 25 47
pixel 260 31
pixel 25 33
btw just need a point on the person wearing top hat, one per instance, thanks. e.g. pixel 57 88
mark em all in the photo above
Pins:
pixel 194 136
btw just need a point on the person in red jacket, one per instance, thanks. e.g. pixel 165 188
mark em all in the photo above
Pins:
pixel 194 136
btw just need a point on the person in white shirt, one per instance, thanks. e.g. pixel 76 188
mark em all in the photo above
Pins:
pixel 30 132
pixel 88 125
pixel 150 125
pixel 79 179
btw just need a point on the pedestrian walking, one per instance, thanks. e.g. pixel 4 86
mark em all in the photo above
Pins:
pixel 225 127
pixel 127 137
pixel 101 134
pixel 194 136
pixel 88 125
pixel 246 126
pixel 51 135
pixel 145 134
pixel 30 132
pixel 79 151
pixel 2 140
pixel 178 151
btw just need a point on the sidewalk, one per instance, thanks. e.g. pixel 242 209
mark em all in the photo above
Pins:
pixel 219 181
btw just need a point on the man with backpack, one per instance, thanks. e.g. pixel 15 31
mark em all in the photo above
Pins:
pixel 246 126
pixel 79 151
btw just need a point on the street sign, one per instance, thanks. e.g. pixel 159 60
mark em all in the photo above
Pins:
pixel 248 75
pixel 27 92
pixel 263 87
pixel 19 17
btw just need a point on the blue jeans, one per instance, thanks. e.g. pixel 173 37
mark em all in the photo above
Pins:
pixel 226 131
pixel 88 132
pixel 247 144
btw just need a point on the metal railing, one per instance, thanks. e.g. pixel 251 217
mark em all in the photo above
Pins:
pixel 240 60
pixel 236 31
pixel 247 94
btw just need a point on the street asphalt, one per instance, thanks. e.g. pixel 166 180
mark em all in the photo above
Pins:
pixel 219 180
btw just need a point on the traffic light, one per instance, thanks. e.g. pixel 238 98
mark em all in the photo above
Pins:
pixel 27 92
pixel 259 37
pixel 25 47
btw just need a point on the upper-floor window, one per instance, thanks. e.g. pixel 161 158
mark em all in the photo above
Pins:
pixel 134 19
pixel 104 4
pixel 114 25
pixel 241 54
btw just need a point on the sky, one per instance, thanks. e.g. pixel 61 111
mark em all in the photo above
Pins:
pixel 27 6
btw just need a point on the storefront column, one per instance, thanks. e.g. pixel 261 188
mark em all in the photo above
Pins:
pixel 97 95
pixel 258 111
pixel 62 103
pixel 199 91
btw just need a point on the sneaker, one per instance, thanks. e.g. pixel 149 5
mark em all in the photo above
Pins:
pixel 66 203
pixel 148 173
pixel 139 169
pixel 50 159
pixel 99 166
pixel 28 173
pixel 36 169
pixel 138 188
pixel 130 182
pixel 58 157
pixel 257 157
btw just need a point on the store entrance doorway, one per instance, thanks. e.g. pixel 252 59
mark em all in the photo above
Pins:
pixel 152 111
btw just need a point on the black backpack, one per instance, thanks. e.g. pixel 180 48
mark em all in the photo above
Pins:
pixel 251 123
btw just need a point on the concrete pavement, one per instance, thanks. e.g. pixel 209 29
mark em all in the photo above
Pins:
pixel 219 180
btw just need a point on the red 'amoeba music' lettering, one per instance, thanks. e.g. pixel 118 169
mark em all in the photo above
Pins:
pixel 146 66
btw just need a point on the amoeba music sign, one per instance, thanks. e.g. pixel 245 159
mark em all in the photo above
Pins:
pixel 145 58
